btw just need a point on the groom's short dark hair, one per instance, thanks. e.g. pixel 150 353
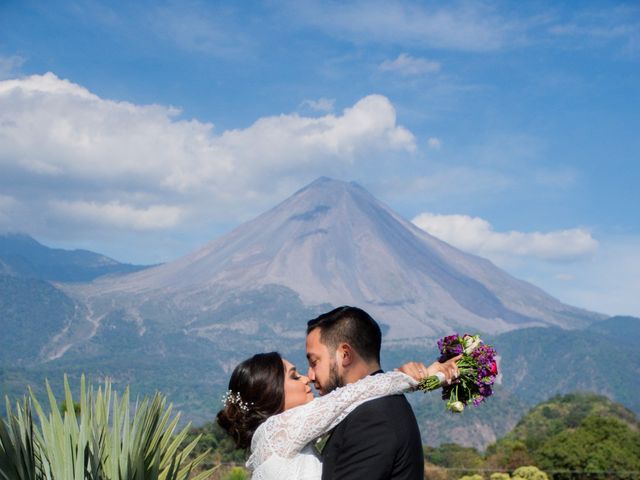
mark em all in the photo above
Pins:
pixel 350 325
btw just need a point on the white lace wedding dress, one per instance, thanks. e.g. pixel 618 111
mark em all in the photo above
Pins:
pixel 282 447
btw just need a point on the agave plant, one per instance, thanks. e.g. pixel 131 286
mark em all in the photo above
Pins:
pixel 17 445
pixel 106 439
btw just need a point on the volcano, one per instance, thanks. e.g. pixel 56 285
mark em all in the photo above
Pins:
pixel 329 244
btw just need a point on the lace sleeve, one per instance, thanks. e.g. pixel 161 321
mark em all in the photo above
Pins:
pixel 287 433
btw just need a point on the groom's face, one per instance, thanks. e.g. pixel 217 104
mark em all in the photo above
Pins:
pixel 323 365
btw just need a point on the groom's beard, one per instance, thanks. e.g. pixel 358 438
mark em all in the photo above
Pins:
pixel 334 381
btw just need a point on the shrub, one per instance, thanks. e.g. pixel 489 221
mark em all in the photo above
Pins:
pixel 475 476
pixel 434 472
pixel 499 476
pixel 236 473
pixel 529 473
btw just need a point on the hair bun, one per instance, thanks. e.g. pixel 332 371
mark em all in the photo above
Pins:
pixel 235 422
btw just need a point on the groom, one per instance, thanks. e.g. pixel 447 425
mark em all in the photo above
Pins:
pixel 379 439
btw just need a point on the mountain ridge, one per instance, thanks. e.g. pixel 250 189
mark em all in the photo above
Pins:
pixel 23 256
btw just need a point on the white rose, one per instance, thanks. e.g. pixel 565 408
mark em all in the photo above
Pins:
pixel 470 343
pixel 456 407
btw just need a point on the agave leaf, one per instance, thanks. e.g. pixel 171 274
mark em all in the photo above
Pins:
pixel 70 410
pixel 171 472
pixel 170 444
pixel 188 468
pixel 204 475
pixel 180 438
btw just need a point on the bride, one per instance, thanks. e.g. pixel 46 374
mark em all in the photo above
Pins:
pixel 271 409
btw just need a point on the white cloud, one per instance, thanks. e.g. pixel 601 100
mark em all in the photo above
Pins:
pixel 434 143
pixel 447 183
pixel 6 202
pixel 8 206
pixel 607 281
pixel 405 64
pixel 9 66
pixel 467 26
pixel 325 105
pixel 601 276
pixel 200 28
pixel 599 27
pixel 476 235
pixel 156 217
pixel 143 166
pixel 559 177
pixel 564 277
pixel 610 283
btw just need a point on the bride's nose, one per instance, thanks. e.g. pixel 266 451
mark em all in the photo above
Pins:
pixel 305 379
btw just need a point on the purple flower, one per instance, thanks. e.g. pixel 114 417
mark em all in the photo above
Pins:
pixel 450 346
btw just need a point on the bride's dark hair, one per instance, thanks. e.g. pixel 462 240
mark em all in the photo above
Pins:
pixel 256 392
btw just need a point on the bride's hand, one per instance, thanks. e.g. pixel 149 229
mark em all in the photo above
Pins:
pixel 449 369
pixel 415 370
pixel 418 370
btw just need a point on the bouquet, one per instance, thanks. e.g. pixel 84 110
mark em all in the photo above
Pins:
pixel 477 368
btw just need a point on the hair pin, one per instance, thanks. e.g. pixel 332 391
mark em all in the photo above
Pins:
pixel 234 398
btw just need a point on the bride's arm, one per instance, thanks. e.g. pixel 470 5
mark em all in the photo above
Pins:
pixel 287 433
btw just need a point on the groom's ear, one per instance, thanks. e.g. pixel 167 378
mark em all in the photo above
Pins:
pixel 346 354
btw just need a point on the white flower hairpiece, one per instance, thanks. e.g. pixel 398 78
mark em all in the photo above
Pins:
pixel 234 398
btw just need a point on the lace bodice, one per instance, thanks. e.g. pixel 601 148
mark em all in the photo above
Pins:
pixel 277 443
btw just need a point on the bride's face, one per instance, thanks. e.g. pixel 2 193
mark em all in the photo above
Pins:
pixel 296 387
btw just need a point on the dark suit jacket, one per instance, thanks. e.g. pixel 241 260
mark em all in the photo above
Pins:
pixel 380 439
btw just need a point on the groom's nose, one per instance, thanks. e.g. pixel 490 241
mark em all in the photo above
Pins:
pixel 311 375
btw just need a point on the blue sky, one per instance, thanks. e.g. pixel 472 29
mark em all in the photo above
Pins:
pixel 510 129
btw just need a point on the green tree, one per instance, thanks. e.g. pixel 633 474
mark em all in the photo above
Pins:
pixel 508 455
pixel 599 444
pixel 559 414
pixel 561 434
pixel 451 455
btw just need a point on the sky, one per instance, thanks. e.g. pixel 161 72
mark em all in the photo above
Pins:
pixel 143 130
